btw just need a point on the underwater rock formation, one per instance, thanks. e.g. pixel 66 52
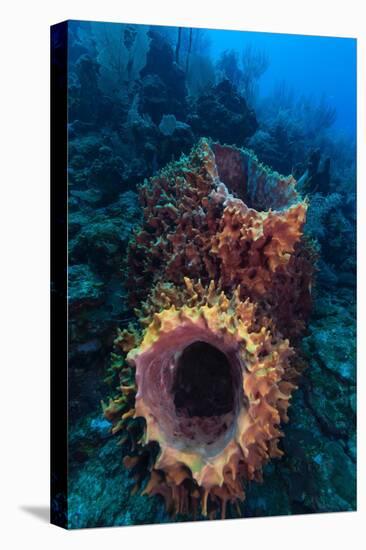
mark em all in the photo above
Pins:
pixel 222 283
pixel 98 239
pixel 316 178
pixel 163 81
pixel 222 113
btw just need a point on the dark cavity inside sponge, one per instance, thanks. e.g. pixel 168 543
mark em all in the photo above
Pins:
pixel 203 384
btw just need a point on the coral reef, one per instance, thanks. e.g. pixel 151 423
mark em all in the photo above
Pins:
pixel 246 72
pixel 222 113
pixel 134 106
pixel 221 287
pixel 316 178
pixel 163 84
pixel 292 129
pixel 98 240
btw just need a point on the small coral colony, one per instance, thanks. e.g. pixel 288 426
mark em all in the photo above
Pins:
pixel 216 267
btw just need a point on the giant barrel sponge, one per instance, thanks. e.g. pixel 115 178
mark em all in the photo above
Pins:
pixel 220 275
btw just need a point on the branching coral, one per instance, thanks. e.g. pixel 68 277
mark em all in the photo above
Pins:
pixel 221 287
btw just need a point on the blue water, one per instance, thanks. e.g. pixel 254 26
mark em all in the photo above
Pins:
pixel 312 65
